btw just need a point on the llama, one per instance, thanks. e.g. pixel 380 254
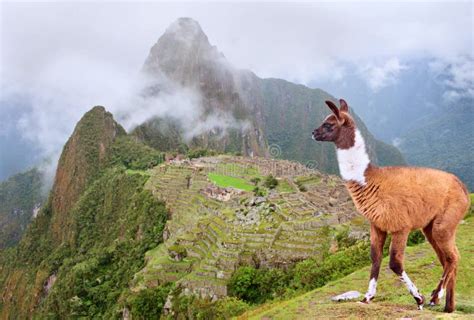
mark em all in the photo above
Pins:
pixel 397 200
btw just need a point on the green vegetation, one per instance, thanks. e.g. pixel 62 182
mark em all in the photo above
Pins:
pixel 228 181
pixel 19 195
pixel 284 186
pixel 108 221
pixel 259 192
pixel 193 307
pixel 134 155
pixel 148 303
pixel 259 285
pixel 98 266
pixel 200 152
pixel 270 182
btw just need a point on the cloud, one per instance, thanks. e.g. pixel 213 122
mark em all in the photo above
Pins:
pixel 461 80
pixel 379 76
pixel 62 91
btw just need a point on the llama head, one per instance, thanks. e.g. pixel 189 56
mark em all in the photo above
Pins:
pixel 338 127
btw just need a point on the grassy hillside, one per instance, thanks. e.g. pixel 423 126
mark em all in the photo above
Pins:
pixel 392 300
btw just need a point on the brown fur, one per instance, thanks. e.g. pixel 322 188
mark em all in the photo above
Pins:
pixel 398 200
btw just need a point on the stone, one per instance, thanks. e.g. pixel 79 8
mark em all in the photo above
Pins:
pixel 349 295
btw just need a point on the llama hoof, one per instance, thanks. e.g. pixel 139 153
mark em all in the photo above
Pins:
pixel 420 301
pixel 448 309
pixel 434 302
pixel 434 298
pixel 366 300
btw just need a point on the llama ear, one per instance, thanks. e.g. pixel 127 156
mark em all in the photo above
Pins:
pixel 344 106
pixel 333 108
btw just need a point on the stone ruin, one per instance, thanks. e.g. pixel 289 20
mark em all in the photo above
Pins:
pixel 222 194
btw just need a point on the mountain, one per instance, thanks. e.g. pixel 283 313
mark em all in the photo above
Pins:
pixel 444 141
pixel 97 221
pixel 186 59
pixel 21 197
pixel 83 156
pixel 267 116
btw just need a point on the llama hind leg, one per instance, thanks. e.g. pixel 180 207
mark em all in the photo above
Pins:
pixel 450 272
pixel 397 250
pixel 437 292
pixel 377 241
pixel 444 234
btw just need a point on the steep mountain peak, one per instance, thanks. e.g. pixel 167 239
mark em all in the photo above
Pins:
pixel 84 154
pixel 183 48
pixel 186 30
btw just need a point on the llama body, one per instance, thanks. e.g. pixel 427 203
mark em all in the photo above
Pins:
pixel 397 200
pixel 400 198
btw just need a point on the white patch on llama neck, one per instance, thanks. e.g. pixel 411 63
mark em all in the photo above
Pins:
pixel 354 161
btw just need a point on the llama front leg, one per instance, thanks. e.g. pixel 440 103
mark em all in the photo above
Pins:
pixel 397 251
pixel 377 241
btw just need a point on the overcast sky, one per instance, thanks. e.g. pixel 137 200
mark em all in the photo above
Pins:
pixel 293 41
pixel 67 57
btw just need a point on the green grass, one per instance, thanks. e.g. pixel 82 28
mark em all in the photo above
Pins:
pixel 140 172
pixel 392 300
pixel 227 181
pixel 284 186
pixel 237 170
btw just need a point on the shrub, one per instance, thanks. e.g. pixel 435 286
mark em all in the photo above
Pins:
pixel 415 238
pixel 255 181
pixel 198 153
pixel 270 182
pixel 258 285
pixel 258 192
pixel 148 303
pixel 314 273
pixel 243 284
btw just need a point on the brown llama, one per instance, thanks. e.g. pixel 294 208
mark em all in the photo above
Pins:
pixel 397 200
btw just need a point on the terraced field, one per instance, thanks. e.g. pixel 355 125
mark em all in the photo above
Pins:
pixel 207 239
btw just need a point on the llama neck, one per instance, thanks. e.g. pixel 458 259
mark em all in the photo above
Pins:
pixel 354 161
